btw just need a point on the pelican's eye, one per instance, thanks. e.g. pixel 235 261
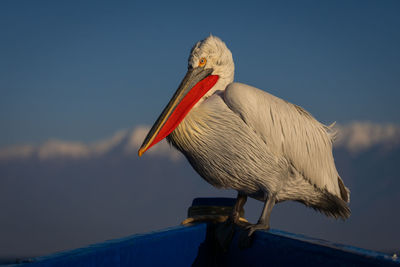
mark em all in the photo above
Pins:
pixel 202 62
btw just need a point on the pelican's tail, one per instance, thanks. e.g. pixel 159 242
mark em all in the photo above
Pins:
pixel 331 205
pixel 301 190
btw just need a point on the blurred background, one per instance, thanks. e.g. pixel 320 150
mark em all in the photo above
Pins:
pixel 82 81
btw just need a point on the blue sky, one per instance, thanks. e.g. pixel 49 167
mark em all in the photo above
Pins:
pixel 80 70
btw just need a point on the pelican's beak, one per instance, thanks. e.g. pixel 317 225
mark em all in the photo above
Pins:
pixel 193 87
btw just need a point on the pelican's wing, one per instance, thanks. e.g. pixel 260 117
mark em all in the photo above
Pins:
pixel 290 131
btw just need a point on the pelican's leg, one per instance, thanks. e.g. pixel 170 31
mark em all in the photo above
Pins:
pixel 226 230
pixel 235 215
pixel 262 224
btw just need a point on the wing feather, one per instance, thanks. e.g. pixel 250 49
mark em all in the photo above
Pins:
pixel 291 131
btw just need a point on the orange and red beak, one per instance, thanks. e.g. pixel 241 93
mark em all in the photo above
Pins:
pixel 193 87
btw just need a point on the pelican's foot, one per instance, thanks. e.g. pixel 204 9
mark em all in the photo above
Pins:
pixel 247 235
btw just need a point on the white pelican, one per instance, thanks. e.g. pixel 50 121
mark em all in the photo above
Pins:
pixel 239 137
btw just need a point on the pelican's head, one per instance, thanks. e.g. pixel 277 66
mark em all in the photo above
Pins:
pixel 212 53
pixel 210 69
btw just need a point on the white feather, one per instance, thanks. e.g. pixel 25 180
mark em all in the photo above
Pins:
pixel 289 131
pixel 243 138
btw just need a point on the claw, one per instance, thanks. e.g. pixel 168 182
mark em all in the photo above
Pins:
pixel 253 227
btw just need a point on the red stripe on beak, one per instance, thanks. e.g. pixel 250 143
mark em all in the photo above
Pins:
pixel 184 106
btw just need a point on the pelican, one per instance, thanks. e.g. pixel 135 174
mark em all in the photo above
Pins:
pixel 239 137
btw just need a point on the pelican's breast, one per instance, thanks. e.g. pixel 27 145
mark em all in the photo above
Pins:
pixel 225 151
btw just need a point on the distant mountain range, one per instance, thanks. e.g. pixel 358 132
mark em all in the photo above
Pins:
pixel 122 142
pixel 355 137
pixel 62 195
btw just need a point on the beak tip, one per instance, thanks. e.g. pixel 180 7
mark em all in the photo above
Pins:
pixel 140 152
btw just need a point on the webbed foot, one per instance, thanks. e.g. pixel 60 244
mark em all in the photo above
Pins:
pixel 246 237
